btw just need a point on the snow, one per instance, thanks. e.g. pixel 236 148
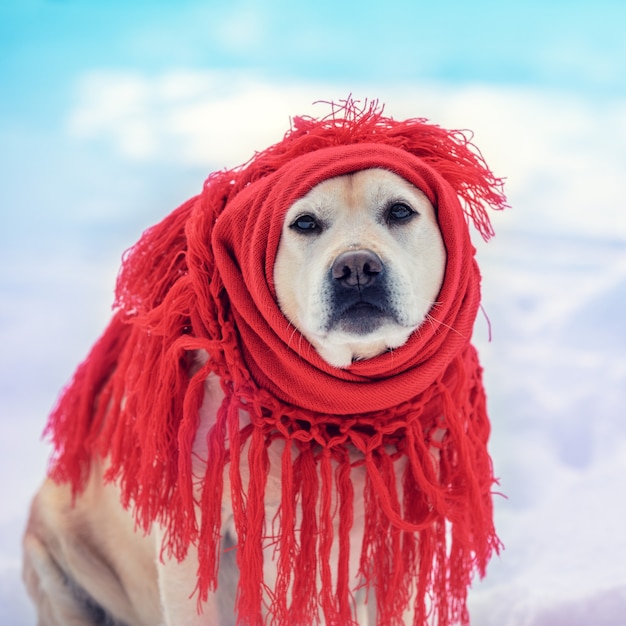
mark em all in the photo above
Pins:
pixel 554 293
pixel 556 373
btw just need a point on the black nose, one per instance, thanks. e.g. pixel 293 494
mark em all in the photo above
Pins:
pixel 358 268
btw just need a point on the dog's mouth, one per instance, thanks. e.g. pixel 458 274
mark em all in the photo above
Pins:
pixel 360 318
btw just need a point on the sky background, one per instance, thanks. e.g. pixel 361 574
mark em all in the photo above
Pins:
pixel 113 113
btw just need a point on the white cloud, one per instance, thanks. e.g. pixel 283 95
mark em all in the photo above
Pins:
pixel 191 118
pixel 563 157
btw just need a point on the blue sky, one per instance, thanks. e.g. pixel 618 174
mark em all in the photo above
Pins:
pixel 46 46
pixel 570 45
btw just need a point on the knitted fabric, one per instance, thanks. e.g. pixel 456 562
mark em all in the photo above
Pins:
pixel 202 279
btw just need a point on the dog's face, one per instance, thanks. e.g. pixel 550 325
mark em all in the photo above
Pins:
pixel 359 265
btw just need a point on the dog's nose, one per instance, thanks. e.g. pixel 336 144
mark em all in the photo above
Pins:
pixel 358 268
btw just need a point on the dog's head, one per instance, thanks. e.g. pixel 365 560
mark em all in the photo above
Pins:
pixel 359 265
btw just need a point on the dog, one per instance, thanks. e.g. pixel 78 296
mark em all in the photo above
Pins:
pixel 359 267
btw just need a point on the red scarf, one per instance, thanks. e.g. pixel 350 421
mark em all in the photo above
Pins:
pixel 203 279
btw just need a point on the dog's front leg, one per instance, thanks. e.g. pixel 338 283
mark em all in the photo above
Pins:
pixel 177 582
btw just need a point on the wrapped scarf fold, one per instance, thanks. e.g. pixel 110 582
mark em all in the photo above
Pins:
pixel 202 279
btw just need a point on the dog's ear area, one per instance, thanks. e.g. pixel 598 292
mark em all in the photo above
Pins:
pixel 172 249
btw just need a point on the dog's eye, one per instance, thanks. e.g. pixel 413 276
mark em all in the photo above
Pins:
pixel 305 224
pixel 399 212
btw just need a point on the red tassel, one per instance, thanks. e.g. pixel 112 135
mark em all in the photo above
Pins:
pixel 250 524
pixel 305 597
pixel 345 492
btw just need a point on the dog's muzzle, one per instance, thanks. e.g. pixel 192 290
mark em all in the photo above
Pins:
pixel 359 293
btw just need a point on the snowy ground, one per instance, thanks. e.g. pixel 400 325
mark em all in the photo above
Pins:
pixel 554 291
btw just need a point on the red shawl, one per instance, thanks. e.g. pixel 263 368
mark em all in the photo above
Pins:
pixel 203 279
